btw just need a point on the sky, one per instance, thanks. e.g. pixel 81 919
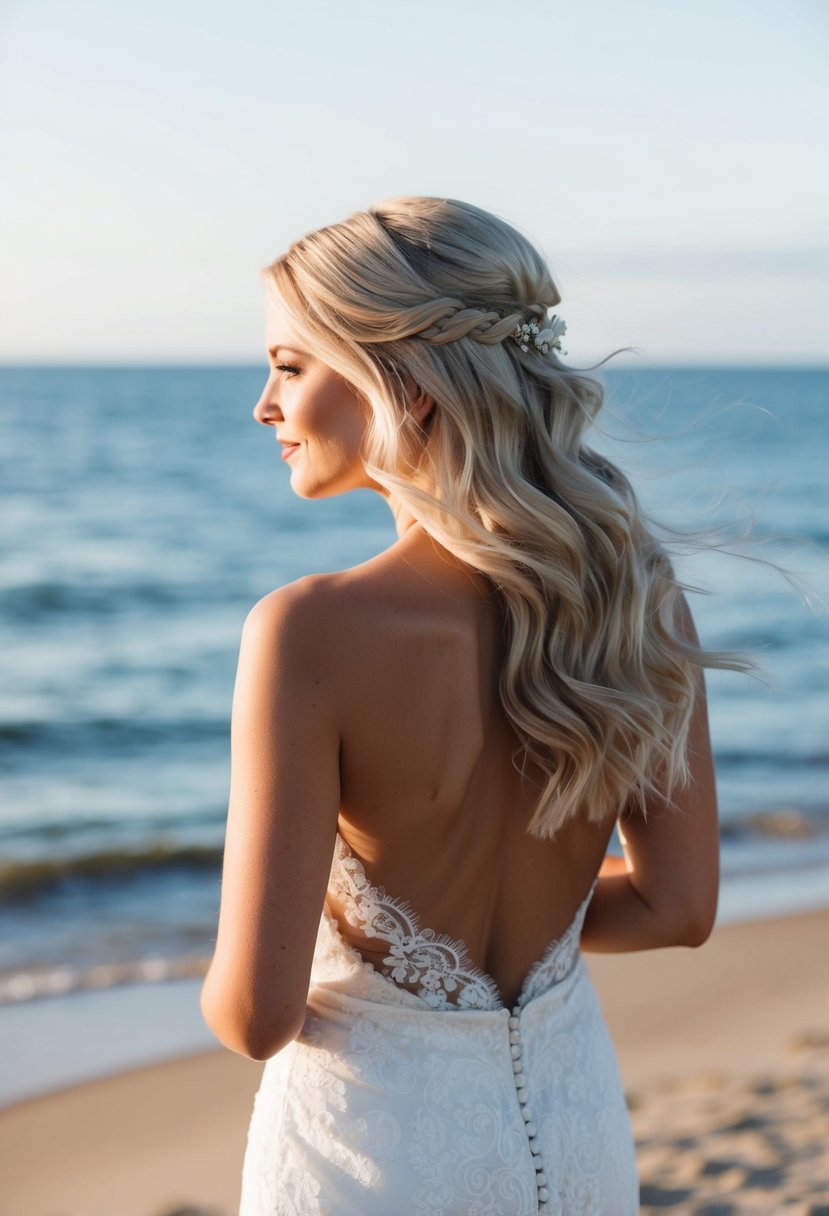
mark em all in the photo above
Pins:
pixel 670 160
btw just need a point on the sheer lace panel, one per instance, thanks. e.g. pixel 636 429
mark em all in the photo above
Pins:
pixel 436 967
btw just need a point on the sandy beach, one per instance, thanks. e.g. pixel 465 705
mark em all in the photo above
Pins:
pixel 724 1052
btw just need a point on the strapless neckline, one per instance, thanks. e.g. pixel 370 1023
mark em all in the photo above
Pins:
pixel 435 967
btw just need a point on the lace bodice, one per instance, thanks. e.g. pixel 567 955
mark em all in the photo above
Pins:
pixel 384 1103
pixel 435 967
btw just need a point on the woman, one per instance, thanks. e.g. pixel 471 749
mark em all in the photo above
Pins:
pixel 430 751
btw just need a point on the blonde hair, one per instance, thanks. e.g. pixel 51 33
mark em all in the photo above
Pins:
pixel 599 677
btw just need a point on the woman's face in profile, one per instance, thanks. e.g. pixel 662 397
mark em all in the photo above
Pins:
pixel 319 419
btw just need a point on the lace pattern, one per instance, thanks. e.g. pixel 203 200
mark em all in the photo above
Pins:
pixel 436 967
pixel 380 1106
pixel 560 958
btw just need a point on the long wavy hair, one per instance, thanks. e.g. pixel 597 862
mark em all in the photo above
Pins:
pixel 599 676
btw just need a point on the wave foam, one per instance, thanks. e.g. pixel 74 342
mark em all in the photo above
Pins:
pixel 21 986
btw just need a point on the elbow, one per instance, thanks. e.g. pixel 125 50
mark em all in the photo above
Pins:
pixel 253 1040
pixel 248 1033
pixel 261 1043
pixel 697 926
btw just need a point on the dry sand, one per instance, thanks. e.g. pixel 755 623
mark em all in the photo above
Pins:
pixel 724 1052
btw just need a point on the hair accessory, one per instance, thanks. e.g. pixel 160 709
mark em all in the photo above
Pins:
pixel 530 337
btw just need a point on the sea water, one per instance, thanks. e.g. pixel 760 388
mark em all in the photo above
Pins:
pixel 143 513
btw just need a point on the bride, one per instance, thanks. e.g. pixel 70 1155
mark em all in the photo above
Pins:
pixel 430 750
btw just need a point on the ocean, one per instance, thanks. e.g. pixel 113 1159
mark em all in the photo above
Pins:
pixel 144 512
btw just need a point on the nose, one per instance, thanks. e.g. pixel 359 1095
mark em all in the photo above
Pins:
pixel 266 409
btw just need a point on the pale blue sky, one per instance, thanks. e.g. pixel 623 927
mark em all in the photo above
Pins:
pixel 669 158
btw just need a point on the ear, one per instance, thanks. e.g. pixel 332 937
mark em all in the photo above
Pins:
pixel 421 405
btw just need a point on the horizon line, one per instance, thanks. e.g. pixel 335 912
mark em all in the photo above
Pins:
pixel 193 363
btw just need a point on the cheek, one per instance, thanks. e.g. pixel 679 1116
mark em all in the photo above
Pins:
pixel 339 425
pixel 357 427
pixel 307 412
pixel 331 419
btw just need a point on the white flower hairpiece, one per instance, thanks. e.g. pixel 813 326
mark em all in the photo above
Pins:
pixel 530 337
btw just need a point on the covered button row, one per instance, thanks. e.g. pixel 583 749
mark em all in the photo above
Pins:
pixel 522 1095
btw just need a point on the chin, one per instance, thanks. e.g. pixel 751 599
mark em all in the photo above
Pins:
pixel 308 482
pixel 315 489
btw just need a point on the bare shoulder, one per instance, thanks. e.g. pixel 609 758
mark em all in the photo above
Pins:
pixel 350 623
pixel 324 621
pixel 314 602
pixel 302 611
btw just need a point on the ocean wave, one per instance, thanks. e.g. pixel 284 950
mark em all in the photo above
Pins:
pixel 784 823
pixel 22 881
pixel 114 826
pixel 767 758
pixel 19 986
pixel 29 603
pixel 59 736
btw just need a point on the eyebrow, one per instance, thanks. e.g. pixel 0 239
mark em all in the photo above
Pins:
pixel 289 350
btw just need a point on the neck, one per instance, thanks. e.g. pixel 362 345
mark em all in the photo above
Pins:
pixel 403 518
pixel 438 565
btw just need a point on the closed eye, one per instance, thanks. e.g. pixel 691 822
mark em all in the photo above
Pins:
pixel 287 369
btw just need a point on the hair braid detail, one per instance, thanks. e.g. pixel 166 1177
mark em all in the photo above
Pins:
pixel 479 324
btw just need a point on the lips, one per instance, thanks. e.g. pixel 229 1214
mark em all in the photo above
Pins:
pixel 288 448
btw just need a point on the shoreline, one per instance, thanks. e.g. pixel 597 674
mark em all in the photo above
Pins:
pixel 89 1034
pixel 724 1052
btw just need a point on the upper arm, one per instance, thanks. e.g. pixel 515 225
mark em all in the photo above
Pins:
pixel 672 851
pixel 282 818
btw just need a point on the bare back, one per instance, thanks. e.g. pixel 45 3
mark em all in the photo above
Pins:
pixel 432 801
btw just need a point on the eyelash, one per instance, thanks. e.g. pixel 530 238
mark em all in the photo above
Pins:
pixel 288 369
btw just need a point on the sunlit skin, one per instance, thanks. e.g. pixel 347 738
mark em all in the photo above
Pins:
pixel 319 419
pixel 366 702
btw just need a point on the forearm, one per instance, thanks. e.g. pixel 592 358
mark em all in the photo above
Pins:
pixel 663 892
pixel 620 919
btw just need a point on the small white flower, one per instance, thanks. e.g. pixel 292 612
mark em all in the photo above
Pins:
pixel 551 337
pixel 530 336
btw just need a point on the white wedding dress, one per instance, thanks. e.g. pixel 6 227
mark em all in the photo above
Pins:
pixel 414 1092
